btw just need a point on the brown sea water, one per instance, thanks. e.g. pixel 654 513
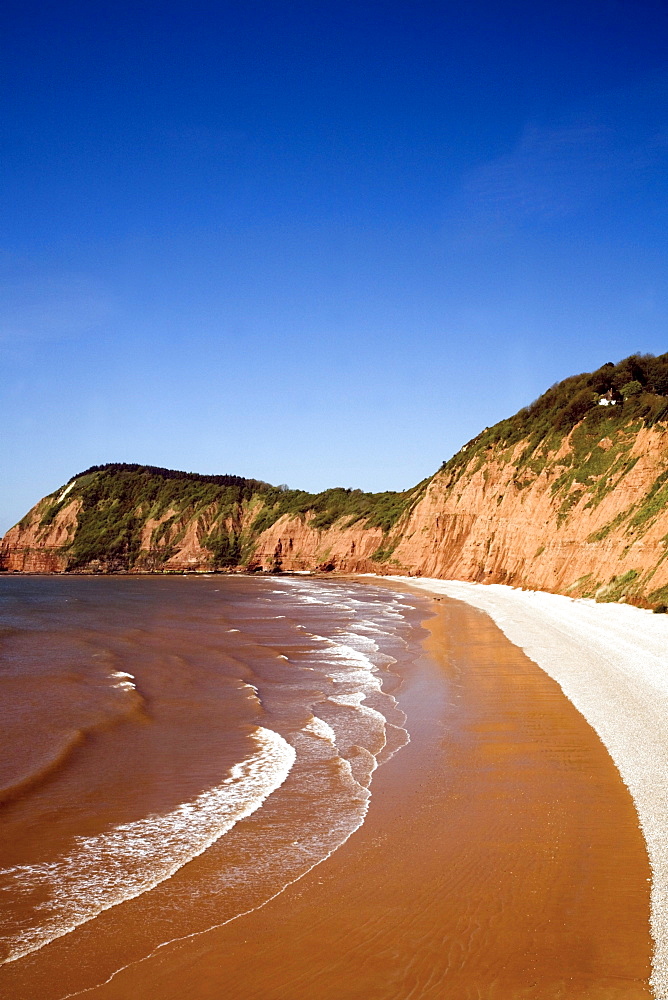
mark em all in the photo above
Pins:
pixel 144 719
pixel 180 754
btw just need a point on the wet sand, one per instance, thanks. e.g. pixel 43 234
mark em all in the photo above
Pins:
pixel 501 858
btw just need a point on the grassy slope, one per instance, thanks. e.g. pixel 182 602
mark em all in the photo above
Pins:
pixel 552 416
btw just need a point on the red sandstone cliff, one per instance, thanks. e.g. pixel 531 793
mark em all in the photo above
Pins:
pixel 483 523
pixel 31 547
pixel 582 519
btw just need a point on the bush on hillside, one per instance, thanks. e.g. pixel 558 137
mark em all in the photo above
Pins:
pixel 633 388
pixel 549 418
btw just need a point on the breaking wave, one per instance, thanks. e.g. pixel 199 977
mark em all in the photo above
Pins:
pixel 132 858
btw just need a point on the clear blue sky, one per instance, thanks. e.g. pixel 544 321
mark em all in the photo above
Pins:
pixel 319 243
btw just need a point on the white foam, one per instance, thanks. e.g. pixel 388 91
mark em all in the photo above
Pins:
pixel 345 803
pixel 350 660
pixel 353 700
pixel 361 678
pixel 359 728
pixel 124 680
pixel 133 858
pixel 611 661
pixel 365 626
pixel 343 651
pixel 317 727
pixel 359 641
pixel 254 693
pixel 356 700
pixel 314 848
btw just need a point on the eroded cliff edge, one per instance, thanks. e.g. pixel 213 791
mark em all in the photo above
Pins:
pixel 570 495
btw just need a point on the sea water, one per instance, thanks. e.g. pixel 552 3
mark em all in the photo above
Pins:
pixel 178 750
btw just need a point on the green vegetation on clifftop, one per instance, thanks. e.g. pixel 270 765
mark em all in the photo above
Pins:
pixel 639 385
pixel 376 510
pixel 118 501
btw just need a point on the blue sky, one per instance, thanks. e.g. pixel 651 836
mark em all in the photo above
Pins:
pixel 317 243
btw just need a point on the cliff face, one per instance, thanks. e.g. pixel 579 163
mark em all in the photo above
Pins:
pixel 568 530
pixel 33 547
pixel 568 496
pixel 559 529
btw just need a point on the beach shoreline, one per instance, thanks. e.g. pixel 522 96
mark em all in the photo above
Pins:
pixel 500 857
pixel 611 662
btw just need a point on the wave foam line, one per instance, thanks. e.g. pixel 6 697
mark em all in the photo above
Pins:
pixel 124 680
pixel 611 662
pixel 363 669
pixel 132 858
pixel 315 727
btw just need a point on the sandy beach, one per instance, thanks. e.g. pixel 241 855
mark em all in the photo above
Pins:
pixel 500 859
pixel 611 661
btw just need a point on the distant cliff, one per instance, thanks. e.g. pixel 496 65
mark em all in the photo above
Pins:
pixel 569 495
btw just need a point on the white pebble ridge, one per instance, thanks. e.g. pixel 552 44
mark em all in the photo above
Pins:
pixel 611 661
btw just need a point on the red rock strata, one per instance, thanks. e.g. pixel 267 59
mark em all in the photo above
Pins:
pixel 492 518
